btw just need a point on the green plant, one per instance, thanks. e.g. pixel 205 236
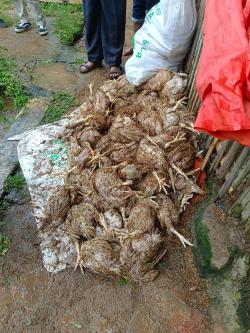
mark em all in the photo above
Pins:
pixel 4 204
pixel 9 20
pixel 14 182
pixel 10 83
pixel 58 107
pixel 52 9
pixel 78 61
pixel 1 103
pixel 122 282
pixel 6 4
pixel 4 244
pixel 66 32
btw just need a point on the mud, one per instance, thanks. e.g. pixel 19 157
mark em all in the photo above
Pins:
pixel 55 77
pixel 34 301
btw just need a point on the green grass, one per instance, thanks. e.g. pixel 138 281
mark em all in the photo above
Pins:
pixel 10 83
pixel 16 182
pixel 4 244
pixel 66 32
pixel 122 282
pixel 51 9
pixel 58 107
pixel 244 306
pixel 202 251
pixel 9 20
pixel 4 205
pixel 5 6
pixel 68 20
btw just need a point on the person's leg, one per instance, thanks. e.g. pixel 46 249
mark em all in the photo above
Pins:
pixel 150 4
pixel 139 11
pixel 92 18
pixel 113 33
pixel 24 20
pixel 138 16
pixel 21 11
pixel 36 10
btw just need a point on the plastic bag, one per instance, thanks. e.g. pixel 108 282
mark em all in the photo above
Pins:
pixel 43 159
pixel 163 40
pixel 223 80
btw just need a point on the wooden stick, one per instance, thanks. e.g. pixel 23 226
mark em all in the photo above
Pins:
pixel 242 199
pixel 209 141
pixel 209 153
pixel 233 172
pixel 244 171
pixel 230 157
pixel 223 148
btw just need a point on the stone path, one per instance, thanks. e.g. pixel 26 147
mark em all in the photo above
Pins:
pixel 31 117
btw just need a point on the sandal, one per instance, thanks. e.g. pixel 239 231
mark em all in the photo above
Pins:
pixel 115 72
pixel 88 66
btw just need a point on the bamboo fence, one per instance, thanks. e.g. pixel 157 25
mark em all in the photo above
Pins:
pixel 228 161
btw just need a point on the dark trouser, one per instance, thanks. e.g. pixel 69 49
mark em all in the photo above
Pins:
pixel 105 22
pixel 140 7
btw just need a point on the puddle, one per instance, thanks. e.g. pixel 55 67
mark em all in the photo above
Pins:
pixel 55 77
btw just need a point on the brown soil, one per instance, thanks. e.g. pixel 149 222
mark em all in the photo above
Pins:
pixel 33 300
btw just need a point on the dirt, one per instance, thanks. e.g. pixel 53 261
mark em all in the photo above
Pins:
pixel 34 301
pixel 55 77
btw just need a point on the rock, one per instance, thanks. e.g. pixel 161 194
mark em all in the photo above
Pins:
pixel 237 239
pixel 230 306
pixel 214 220
pixel 29 119
pixel 215 227
pixel 17 198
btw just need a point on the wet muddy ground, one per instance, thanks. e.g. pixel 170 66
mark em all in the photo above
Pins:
pixel 34 301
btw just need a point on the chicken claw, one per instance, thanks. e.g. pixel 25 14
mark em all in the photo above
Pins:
pixel 78 259
pixel 183 240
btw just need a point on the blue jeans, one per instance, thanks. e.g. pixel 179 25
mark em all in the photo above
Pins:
pixel 140 8
pixel 105 22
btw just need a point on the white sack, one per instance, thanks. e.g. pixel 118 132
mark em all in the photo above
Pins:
pixel 163 41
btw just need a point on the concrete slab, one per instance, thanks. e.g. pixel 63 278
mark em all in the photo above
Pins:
pixel 28 120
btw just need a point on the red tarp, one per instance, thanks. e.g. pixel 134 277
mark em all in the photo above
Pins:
pixel 223 80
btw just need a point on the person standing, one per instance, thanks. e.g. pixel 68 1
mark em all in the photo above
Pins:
pixel 22 13
pixel 105 22
pixel 140 9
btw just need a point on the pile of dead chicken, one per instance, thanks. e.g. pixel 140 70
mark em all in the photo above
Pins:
pixel 130 175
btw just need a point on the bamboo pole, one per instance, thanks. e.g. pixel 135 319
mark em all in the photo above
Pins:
pixel 230 157
pixel 222 150
pixel 209 141
pixel 242 200
pixel 244 171
pixel 209 153
pixel 233 172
